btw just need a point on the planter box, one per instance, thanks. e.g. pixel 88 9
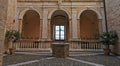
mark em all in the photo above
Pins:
pixel 60 50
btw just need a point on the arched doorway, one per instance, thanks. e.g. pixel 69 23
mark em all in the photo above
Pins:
pixel 88 24
pixel 31 25
pixel 59 26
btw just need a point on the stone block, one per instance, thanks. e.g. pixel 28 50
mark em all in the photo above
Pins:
pixel 60 50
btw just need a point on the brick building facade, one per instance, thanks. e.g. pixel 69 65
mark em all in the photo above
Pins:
pixel 3 15
pixel 113 14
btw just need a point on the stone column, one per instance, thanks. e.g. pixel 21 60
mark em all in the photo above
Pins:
pixel 20 26
pixel 74 25
pixel 45 22
pixel 49 29
pixel 3 18
pixel 70 28
pixel 78 26
pixel 100 26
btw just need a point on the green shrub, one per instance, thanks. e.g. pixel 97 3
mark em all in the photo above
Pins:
pixel 12 35
pixel 108 38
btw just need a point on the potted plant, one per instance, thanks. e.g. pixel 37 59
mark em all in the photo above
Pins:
pixel 10 37
pixel 107 39
pixel 114 39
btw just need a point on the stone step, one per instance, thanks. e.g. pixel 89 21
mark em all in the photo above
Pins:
pixel 70 53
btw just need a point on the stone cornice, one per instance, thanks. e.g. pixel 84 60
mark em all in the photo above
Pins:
pixel 52 6
pixel 57 0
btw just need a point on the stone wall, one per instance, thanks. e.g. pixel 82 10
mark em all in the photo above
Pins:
pixel 3 14
pixel 113 14
pixel 46 9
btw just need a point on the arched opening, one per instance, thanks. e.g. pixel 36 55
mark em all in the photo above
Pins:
pixel 59 26
pixel 31 25
pixel 88 24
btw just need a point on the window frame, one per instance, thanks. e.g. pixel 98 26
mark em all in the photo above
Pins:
pixel 60 35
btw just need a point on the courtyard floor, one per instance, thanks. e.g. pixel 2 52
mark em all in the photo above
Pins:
pixel 75 59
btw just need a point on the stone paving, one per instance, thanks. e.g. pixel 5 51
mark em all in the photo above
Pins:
pixel 57 62
pixel 101 59
pixel 48 60
pixel 19 58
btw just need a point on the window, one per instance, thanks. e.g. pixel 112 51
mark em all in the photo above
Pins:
pixel 59 33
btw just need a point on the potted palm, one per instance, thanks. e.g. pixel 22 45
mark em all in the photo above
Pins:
pixel 107 39
pixel 10 37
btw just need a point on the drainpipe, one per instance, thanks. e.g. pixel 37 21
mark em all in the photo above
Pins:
pixel 104 6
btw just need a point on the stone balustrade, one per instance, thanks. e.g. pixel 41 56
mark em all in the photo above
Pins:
pixel 46 45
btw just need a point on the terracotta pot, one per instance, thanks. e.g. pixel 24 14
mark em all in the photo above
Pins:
pixel 106 51
pixel 11 51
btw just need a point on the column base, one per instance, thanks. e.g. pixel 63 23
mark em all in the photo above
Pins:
pixel 45 39
pixel 75 39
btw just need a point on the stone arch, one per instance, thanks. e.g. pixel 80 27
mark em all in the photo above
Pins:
pixel 89 24
pixel 99 15
pixel 21 14
pixel 50 14
pixel 31 25
pixel 59 18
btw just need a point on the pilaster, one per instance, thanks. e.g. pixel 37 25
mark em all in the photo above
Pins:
pixel 45 22
pixel 70 28
pixel 74 25
pixel 20 26
pixel 49 29
pixel 100 26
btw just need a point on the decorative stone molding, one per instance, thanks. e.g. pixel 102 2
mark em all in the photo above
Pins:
pixel 98 13
pixel 24 11
pixel 50 14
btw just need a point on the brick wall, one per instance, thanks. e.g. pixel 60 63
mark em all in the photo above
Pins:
pixel 113 13
pixel 3 14
pixel 11 14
